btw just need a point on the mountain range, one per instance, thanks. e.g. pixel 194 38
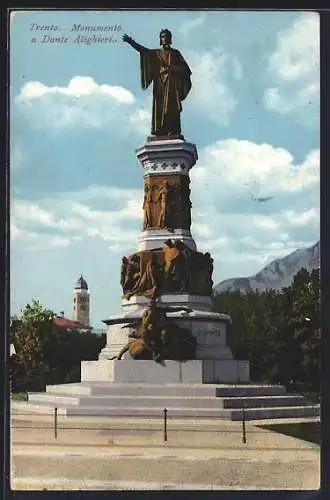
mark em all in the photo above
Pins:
pixel 276 275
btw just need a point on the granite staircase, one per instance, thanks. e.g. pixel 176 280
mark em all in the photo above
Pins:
pixel 221 401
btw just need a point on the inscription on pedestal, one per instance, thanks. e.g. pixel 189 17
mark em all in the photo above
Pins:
pixel 212 331
pixel 210 334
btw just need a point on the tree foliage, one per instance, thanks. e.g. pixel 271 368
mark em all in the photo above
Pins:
pixel 277 331
pixel 46 353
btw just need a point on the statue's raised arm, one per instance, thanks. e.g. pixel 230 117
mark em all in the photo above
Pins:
pixel 133 43
pixel 170 75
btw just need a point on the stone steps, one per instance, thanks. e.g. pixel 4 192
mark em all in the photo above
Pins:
pixel 178 412
pixel 182 390
pixel 223 401
pixel 167 401
pixel 264 401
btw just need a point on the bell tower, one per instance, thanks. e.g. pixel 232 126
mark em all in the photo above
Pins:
pixel 81 302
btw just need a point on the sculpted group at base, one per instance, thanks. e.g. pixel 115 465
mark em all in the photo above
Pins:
pixel 175 268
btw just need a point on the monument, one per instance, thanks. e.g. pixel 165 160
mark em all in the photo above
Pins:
pixel 167 331
pixel 168 347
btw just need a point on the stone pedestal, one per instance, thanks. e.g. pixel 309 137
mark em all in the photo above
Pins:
pixel 168 163
pixel 170 372
pixel 209 328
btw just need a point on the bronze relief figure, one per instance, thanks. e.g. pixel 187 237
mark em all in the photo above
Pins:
pixel 147 203
pixel 163 204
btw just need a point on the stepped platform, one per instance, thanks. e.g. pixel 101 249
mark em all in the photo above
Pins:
pixel 219 401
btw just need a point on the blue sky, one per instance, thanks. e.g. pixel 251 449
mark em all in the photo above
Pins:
pixel 78 113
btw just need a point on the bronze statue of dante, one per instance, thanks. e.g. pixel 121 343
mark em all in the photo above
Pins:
pixel 170 75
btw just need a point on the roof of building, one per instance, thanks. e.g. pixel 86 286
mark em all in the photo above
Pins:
pixel 69 323
pixel 81 284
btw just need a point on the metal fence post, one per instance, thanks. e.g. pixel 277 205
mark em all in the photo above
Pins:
pixel 243 425
pixel 55 423
pixel 165 424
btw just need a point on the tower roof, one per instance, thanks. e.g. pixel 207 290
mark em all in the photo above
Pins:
pixel 81 284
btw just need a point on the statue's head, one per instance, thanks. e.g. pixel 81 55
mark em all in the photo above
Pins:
pixel 165 38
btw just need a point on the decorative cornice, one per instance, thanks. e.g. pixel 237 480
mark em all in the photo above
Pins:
pixel 170 157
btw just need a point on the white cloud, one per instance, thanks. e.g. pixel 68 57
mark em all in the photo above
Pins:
pixel 34 240
pixel 201 229
pixel 132 210
pixel 31 213
pixel 97 192
pixel 78 86
pixel 297 50
pixel 141 119
pixel 83 103
pixel 41 242
pixel 73 215
pixel 265 222
pixel 116 235
pixel 295 70
pixel 193 24
pixel 309 216
pixel 210 92
pixel 234 166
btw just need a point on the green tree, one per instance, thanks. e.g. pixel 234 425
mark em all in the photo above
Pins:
pixel 277 331
pixel 47 353
pixel 29 365
pixel 306 310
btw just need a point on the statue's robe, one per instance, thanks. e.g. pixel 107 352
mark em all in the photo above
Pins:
pixel 169 89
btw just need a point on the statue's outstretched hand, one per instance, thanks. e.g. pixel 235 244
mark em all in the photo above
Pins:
pixel 127 38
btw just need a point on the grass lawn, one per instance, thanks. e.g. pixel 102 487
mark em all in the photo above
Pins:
pixel 313 397
pixel 19 396
pixel 308 431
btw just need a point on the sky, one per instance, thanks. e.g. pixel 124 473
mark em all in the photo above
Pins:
pixel 78 113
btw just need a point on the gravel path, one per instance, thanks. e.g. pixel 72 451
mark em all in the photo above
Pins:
pixel 117 454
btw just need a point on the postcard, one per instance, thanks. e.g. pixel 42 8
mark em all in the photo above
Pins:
pixel 165 250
